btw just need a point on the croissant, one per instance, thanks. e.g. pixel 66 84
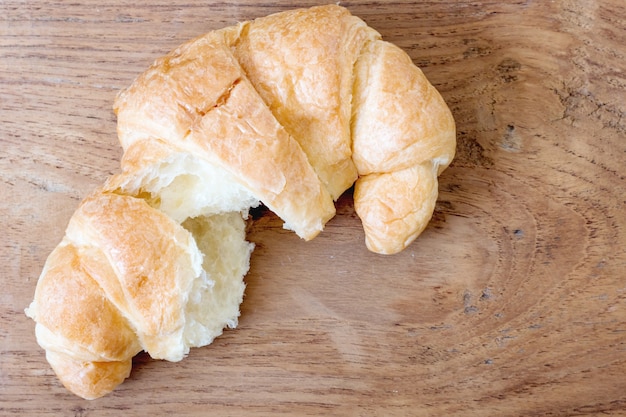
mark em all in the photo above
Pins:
pixel 289 111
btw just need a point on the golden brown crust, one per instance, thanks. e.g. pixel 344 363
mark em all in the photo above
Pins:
pixel 90 321
pixel 172 95
pixel 301 63
pixel 89 380
pixel 88 342
pixel 395 207
pixel 403 137
pixel 399 118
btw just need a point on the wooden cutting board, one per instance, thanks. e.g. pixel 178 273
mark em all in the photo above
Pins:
pixel 512 302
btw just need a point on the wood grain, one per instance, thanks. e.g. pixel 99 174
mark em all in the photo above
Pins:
pixel 512 302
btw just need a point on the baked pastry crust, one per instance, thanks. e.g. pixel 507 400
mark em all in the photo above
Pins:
pixel 288 110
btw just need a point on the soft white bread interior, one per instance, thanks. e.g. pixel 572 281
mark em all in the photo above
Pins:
pixel 287 110
pixel 128 278
pixel 179 183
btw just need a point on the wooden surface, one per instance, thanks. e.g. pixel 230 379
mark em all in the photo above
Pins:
pixel 513 301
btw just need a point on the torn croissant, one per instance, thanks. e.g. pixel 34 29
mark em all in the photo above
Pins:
pixel 289 110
